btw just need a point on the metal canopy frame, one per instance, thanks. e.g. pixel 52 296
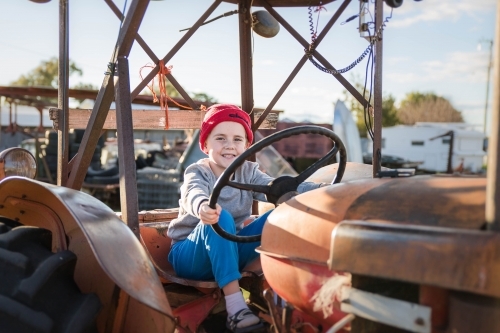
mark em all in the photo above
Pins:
pixel 116 84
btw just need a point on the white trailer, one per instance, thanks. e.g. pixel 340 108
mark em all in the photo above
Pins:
pixel 425 143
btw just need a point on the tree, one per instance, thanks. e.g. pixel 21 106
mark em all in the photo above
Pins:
pixel 427 107
pixel 46 74
pixel 204 98
pixel 389 110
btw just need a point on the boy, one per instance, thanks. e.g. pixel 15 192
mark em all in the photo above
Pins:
pixel 197 251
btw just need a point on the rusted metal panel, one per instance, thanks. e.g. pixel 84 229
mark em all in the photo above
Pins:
pixel 441 201
pixel 191 315
pixel 453 202
pixel 95 235
pixel 298 283
pixel 473 313
pixel 467 260
pixel 301 227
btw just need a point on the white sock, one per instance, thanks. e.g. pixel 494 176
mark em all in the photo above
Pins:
pixel 234 303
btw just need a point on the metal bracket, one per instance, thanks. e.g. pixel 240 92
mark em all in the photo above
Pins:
pixel 54 115
pixel 408 316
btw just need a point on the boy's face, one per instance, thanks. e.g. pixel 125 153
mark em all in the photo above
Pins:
pixel 226 142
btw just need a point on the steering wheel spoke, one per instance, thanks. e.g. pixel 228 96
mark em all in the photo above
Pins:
pixel 249 187
pixel 319 164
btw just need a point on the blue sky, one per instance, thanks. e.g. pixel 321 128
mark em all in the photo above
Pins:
pixel 429 46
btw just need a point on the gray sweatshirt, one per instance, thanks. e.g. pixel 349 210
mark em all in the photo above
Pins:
pixel 199 181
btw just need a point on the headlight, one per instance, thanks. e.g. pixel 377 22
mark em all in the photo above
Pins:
pixel 17 162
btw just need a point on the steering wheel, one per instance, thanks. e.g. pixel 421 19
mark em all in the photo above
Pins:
pixel 280 185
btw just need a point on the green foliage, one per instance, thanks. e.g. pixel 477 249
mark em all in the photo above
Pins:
pixel 415 107
pixel 46 74
pixel 204 98
pixel 429 107
pixel 389 110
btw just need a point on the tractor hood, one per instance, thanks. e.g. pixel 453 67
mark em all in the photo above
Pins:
pixel 301 228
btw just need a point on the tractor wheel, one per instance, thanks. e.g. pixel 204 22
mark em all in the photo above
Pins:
pixel 37 290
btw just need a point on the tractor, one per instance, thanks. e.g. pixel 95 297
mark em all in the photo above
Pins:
pixel 379 250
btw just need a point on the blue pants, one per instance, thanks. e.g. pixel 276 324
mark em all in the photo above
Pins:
pixel 204 255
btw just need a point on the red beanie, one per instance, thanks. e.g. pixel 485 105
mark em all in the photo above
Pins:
pixel 219 113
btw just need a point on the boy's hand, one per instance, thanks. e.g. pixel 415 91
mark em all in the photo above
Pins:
pixel 209 215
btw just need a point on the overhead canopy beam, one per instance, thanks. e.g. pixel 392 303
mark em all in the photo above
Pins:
pixel 22 93
pixel 151 119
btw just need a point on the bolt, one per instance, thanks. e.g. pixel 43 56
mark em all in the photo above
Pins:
pixel 22 212
pixel 419 321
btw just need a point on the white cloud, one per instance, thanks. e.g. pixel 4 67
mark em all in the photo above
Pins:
pixel 456 67
pixel 267 62
pixel 412 12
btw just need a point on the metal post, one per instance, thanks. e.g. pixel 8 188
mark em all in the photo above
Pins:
pixel 245 26
pixel 377 90
pixel 490 63
pixel 126 160
pixel 63 97
pixel 493 173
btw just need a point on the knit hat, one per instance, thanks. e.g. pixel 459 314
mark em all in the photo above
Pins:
pixel 219 113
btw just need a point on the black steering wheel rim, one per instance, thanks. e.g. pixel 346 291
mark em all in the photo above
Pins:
pixel 224 178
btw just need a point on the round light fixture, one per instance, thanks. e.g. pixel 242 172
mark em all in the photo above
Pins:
pixel 17 162
pixel 264 24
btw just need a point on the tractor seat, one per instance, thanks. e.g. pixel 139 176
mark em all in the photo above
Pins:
pixel 157 244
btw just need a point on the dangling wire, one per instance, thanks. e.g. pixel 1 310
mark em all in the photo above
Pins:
pixel 309 52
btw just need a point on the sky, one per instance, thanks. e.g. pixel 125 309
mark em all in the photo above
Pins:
pixel 429 46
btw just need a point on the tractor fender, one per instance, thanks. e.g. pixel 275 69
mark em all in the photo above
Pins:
pixel 89 228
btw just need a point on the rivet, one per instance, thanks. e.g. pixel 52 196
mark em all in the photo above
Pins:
pixel 419 321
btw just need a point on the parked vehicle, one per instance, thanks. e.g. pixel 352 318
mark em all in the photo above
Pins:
pixel 437 147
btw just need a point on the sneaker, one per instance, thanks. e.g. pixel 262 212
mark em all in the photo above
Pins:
pixel 244 321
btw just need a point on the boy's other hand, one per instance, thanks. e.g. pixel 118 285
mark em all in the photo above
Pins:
pixel 209 215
